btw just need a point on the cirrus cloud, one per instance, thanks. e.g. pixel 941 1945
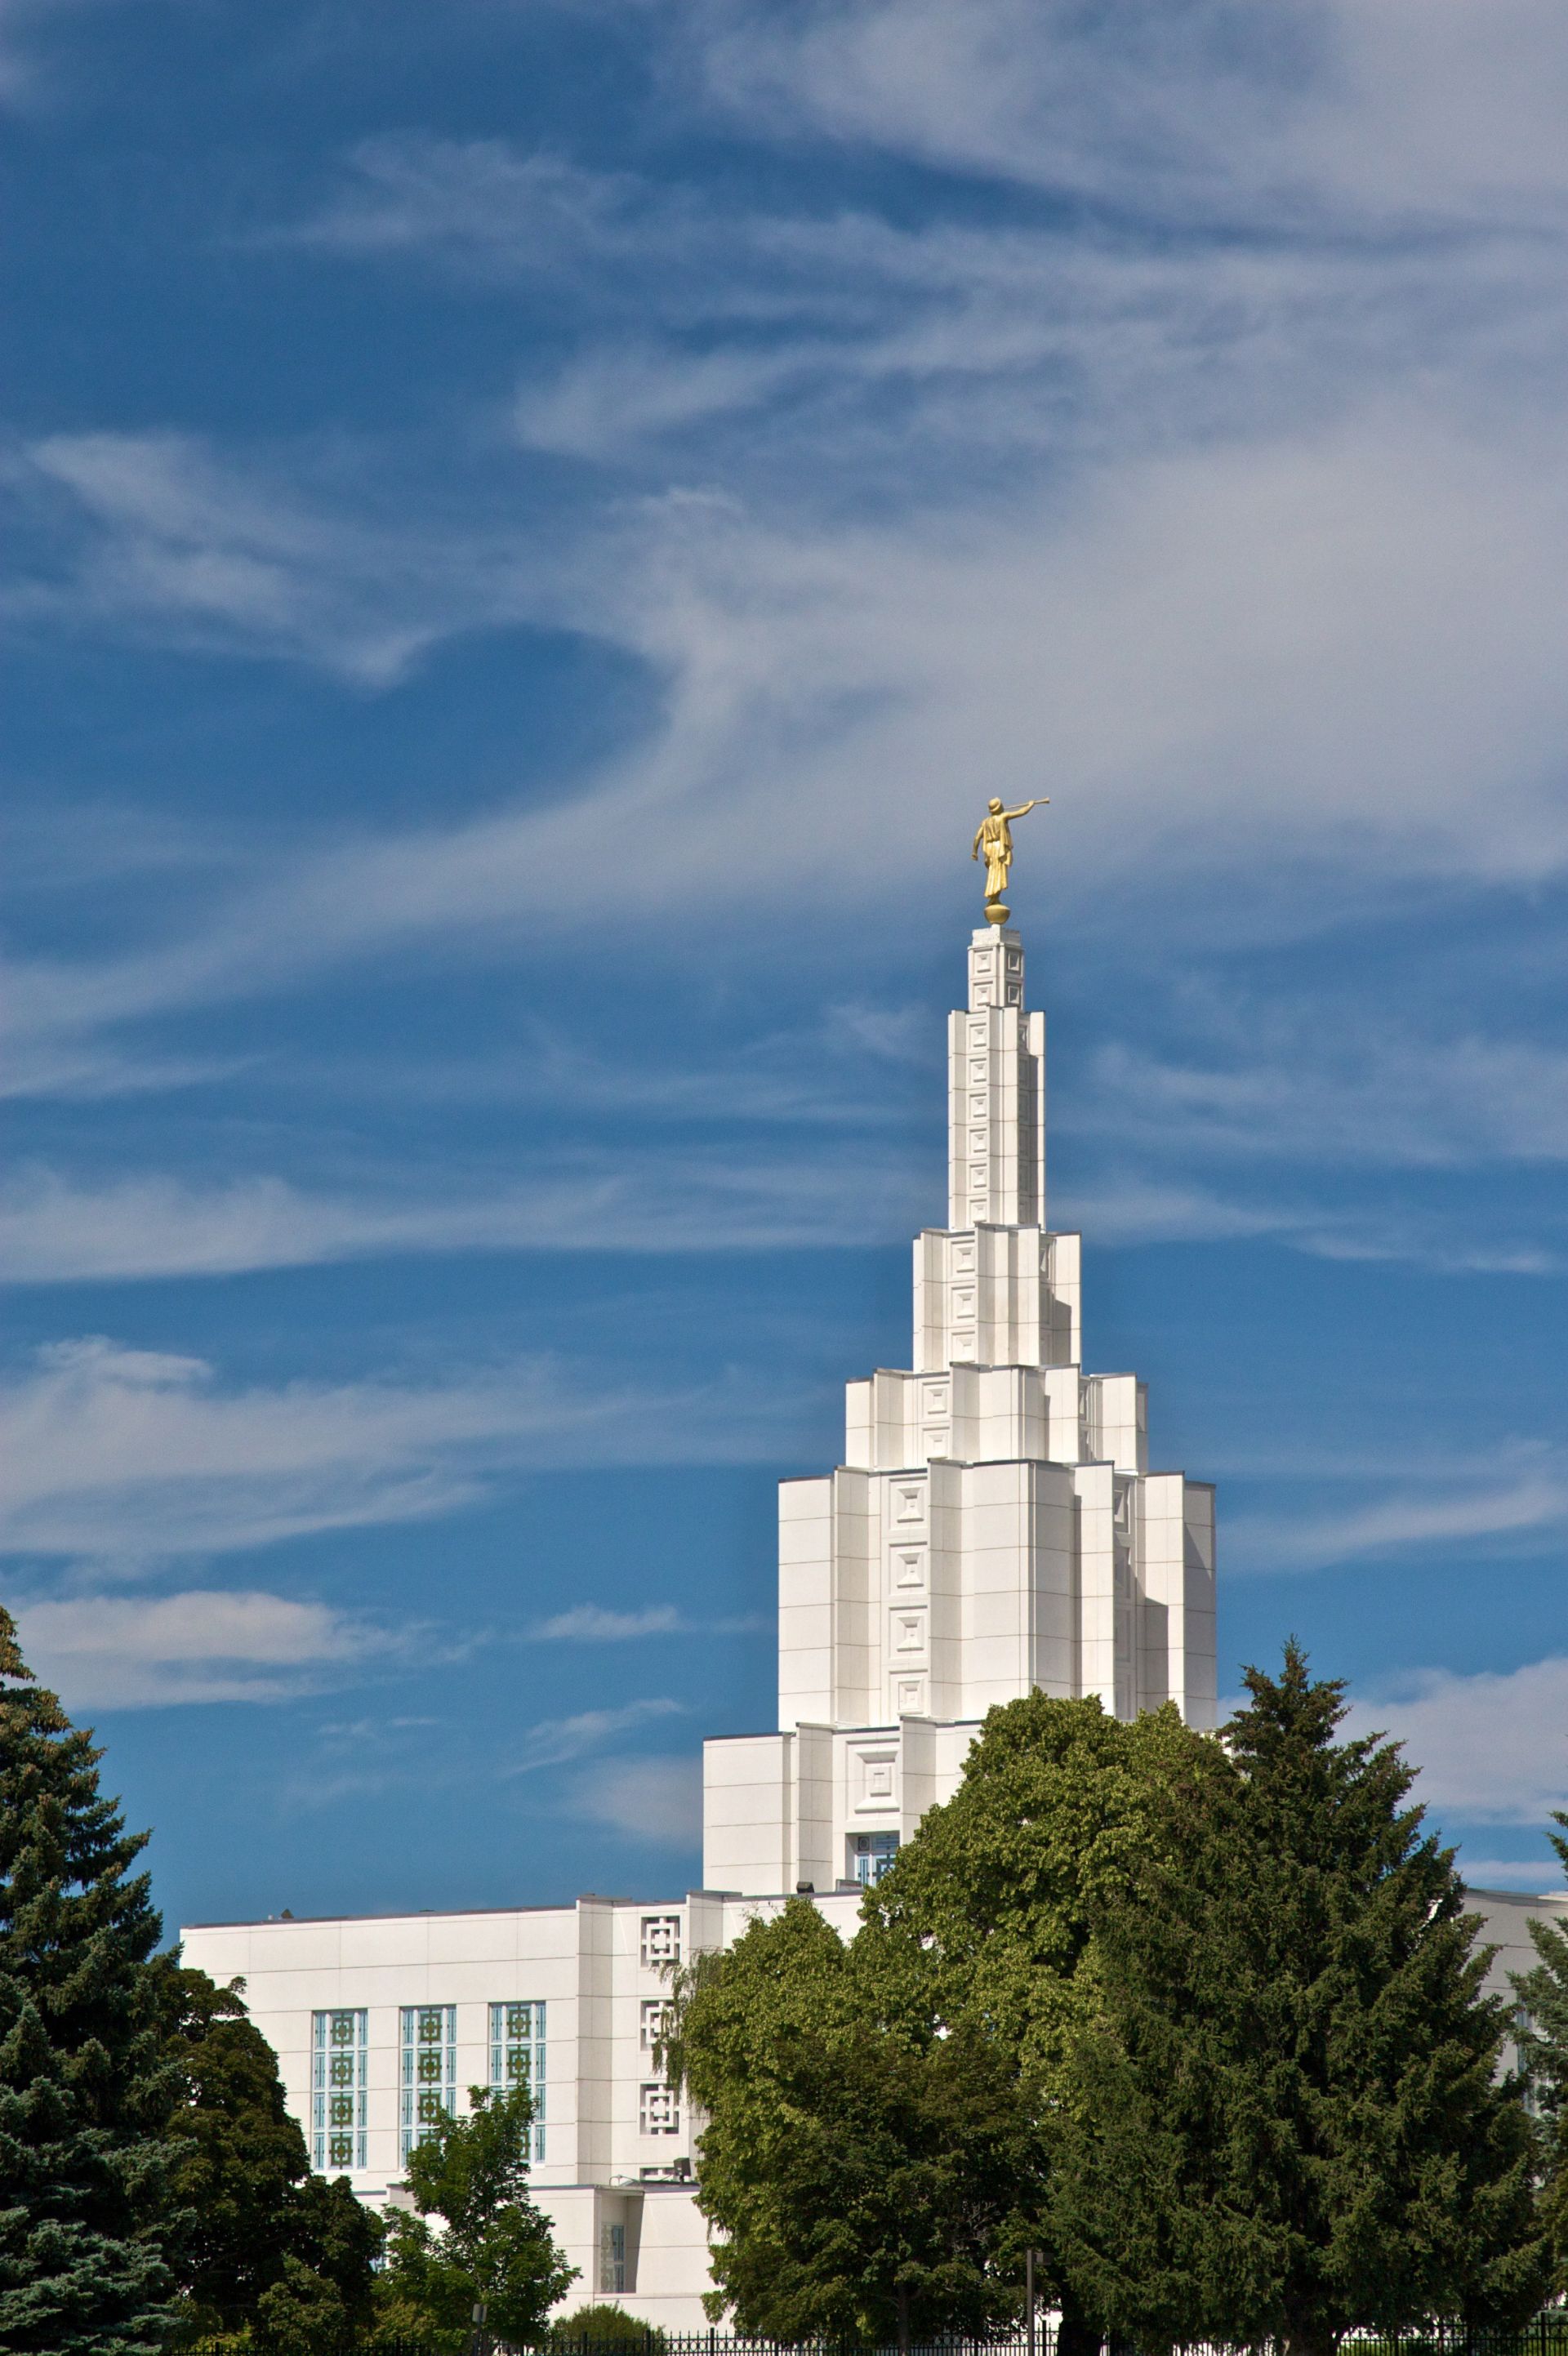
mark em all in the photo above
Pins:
pixel 135 1456
pixel 118 1651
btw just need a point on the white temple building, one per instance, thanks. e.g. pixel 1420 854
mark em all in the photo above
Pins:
pixel 994 1527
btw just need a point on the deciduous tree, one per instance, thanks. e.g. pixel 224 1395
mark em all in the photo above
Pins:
pixel 984 1918
pixel 491 2248
pixel 605 2325
pixel 266 2236
pixel 926 2055
pixel 860 2172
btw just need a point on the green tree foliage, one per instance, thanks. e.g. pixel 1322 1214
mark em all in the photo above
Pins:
pixel 984 1918
pixel 85 2086
pixel 492 2246
pixel 1542 2034
pixel 302 2312
pixel 1286 2120
pixel 604 2325
pixel 267 2239
pixel 860 2171
pixel 927 2055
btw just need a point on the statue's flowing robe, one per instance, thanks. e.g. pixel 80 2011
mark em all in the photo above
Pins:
pixel 996 843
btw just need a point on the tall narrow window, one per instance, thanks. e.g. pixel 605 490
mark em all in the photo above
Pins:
pixel 612 2258
pixel 870 1855
pixel 517 2058
pixel 429 2068
pixel 339 2044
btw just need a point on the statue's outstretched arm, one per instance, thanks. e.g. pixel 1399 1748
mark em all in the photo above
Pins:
pixel 1038 802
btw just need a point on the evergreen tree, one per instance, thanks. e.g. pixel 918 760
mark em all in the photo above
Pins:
pixel 492 2248
pixel 85 2086
pixel 1541 2033
pixel 1286 2120
pixel 266 2237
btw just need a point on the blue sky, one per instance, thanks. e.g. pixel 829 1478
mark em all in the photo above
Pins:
pixel 533 529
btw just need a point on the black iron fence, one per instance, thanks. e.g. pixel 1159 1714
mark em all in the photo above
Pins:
pixel 1545 2334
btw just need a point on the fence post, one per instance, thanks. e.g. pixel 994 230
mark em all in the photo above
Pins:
pixel 1029 2301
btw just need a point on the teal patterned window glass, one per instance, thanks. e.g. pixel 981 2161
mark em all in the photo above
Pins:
pixel 517 2058
pixel 338 2053
pixel 429 2069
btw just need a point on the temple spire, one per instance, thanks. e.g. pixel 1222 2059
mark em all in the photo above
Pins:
pixel 996 1093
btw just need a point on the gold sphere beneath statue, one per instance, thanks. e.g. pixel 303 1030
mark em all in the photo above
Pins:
pixel 995 912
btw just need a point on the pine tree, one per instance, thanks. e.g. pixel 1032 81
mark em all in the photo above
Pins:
pixel 1542 2036
pixel 85 2087
pixel 1286 2121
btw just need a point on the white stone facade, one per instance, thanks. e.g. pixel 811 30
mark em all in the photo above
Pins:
pixel 994 1527
pixel 613 2146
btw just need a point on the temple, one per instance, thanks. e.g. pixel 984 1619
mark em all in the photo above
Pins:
pixel 995 1527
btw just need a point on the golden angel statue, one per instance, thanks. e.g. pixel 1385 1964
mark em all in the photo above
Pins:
pixel 994 837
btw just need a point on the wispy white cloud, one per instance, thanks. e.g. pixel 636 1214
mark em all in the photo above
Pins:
pixel 131 1456
pixel 554 1741
pixel 156 534
pixel 609 400
pixel 647 1799
pixel 808 1074
pixel 54 1231
pixel 1304 1084
pixel 1492 1746
pixel 1417 113
pixel 1384 728
pixel 1126 1209
pixel 89 1071
pixel 1255 542
pixel 118 1651
pixel 1519 1497
pixel 593 1624
pixel 476 202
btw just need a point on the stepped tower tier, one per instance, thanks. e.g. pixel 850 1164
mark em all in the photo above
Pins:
pixel 994 1527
